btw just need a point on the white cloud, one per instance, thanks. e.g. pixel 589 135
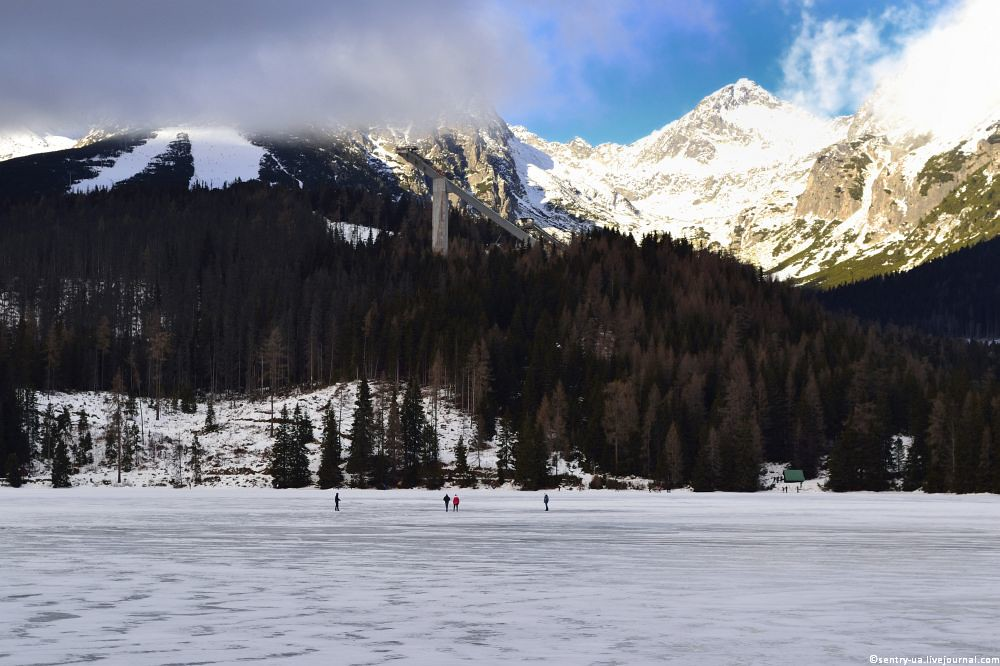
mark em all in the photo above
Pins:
pixel 835 63
pixel 255 63
pixel 945 79
pixel 266 64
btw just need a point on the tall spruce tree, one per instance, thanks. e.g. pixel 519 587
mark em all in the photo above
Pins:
pixel 196 455
pixel 290 457
pixel 462 473
pixel 362 437
pixel 394 435
pixel 113 436
pixel 49 432
pixel 412 422
pixel 303 426
pixel 531 468
pixel 60 464
pixel 281 449
pixel 430 458
pixel 13 471
pixel 505 449
pixel 210 424
pixel 15 444
pixel 299 475
pixel 330 474
pixel 670 471
pixel 85 441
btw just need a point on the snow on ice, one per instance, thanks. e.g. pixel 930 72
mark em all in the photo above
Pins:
pixel 219 576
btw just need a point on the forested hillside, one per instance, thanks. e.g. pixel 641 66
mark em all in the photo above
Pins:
pixel 656 359
pixel 956 295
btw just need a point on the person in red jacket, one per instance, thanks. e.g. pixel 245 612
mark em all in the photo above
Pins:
pixel 454 503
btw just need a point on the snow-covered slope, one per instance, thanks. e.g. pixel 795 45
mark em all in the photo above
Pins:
pixel 220 155
pixel 237 453
pixel 26 142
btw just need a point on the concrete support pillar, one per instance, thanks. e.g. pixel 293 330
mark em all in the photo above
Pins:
pixel 439 216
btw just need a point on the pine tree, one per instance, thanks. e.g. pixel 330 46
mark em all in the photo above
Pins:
pixel 359 458
pixel 505 449
pixel 740 437
pixel 210 424
pixel 196 454
pixel 461 463
pixel 431 459
pixel 330 474
pixel 394 435
pixel 15 477
pixel 131 445
pixel 49 433
pixel 940 443
pixel 299 475
pixel 304 426
pixel 15 441
pixel 113 437
pixel 707 468
pixel 531 468
pixel 64 432
pixel 290 456
pixel 858 458
pixel 809 433
pixel 670 470
pixel 85 445
pixel 281 453
pixel 60 464
pixel 28 414
pixel 621 418
pixel 412 422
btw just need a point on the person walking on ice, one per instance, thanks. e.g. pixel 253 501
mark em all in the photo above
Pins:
pixel 336 502
pixel 546 500
pixel 454 502
pixel 447 501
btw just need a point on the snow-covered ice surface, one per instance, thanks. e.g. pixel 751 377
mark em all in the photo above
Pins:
pixel 208 576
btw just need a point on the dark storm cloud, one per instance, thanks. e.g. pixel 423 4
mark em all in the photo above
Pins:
pixel 253 63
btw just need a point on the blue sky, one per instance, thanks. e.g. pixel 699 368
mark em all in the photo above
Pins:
pixel 658 59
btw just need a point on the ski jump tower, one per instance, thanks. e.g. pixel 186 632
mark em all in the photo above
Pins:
pixel 442 186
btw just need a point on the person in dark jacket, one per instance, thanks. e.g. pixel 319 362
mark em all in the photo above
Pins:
pixel 454 502
pixel 336 502
pixel 546 500
pixel 447 501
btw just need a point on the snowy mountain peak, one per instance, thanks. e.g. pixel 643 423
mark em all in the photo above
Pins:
pixel 742 93
pixel 27 142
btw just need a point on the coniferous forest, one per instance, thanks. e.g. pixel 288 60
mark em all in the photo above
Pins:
pixel 952 295
pixel 650 358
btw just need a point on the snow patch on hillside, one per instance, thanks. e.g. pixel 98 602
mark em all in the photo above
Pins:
pixel 128 164
pixel 222 156
pixel 356 234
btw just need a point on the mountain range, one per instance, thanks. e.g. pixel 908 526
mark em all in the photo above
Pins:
pixel 807 198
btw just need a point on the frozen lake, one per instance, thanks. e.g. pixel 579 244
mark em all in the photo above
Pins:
pixel 209 576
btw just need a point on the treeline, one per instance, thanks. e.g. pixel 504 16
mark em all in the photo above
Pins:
pixel 954 295
pixel 652 359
